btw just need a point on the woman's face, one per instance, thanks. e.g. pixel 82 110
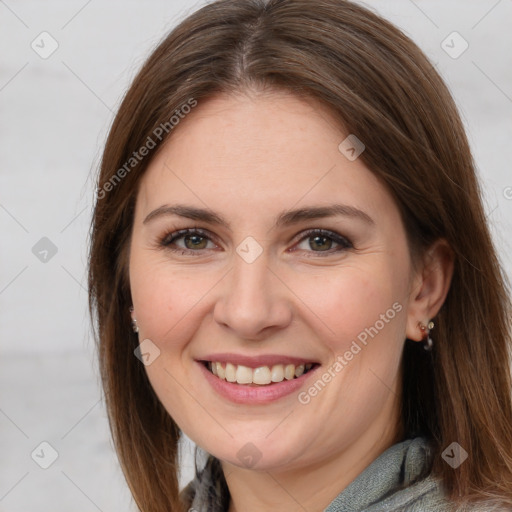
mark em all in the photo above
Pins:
pixel 261 250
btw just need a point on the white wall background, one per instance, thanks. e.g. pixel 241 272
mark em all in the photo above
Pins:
pixel 55 113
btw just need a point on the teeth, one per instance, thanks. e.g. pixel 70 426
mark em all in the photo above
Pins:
pixel 230 372
pixel 243 375
pixel 262 375
pixel 289 371
pixel 277 373
pixel 221 372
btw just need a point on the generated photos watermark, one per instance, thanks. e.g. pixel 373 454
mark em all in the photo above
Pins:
pixel 137 156
pixel 343 360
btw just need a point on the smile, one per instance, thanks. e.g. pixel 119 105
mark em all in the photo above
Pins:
pixel 260 376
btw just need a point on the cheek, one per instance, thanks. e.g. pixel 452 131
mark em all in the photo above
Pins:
pixel 360 310
pixel 166 299
pixel 350 302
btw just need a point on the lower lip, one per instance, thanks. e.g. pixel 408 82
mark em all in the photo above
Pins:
pixel 247 394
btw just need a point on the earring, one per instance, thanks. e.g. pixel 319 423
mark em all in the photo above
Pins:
pixel 428 344
pixel 135 327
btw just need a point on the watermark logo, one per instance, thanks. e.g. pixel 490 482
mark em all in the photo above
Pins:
pixel 44 45
pixel 454 45
pixel 147 352
pixel 44 250
pixel 454 455
pixel 249 249
pixel 249 455
pixel 351 147
pixel 44 455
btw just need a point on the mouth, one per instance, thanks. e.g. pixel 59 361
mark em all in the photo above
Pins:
pixel 260 376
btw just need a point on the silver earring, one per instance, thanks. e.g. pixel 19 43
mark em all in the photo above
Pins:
pixel 135 327
pixel 428 342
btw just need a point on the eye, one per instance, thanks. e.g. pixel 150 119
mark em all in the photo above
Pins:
pixel 195 240
pixel 187 240
pixel 322 241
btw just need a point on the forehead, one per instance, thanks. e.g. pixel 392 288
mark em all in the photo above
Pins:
pixel 252 152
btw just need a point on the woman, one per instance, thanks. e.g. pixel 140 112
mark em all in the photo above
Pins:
pixel 290 263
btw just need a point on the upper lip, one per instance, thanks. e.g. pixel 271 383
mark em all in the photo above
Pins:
pixel 255 361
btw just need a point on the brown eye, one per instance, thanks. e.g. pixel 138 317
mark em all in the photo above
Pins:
pixel 192 240
pixel 323 241
pixel 195 242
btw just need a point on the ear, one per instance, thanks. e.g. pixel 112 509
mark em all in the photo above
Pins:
pixel 429 288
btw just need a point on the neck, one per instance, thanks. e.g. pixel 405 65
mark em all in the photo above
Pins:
pixel 307 488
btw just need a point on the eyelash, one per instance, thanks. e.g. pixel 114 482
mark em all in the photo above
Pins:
pixel 172 237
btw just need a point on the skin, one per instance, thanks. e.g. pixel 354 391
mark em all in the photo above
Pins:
pixel 248 157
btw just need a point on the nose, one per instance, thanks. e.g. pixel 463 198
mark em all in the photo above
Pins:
pixel 253 301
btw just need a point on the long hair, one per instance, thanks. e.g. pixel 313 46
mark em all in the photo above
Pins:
pixel 382 88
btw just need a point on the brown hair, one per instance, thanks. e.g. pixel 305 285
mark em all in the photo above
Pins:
pixel 383 89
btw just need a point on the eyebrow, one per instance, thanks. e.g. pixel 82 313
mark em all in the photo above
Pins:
pixel 285 218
